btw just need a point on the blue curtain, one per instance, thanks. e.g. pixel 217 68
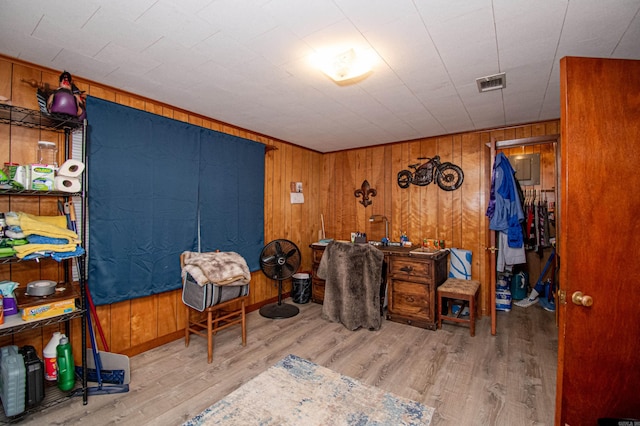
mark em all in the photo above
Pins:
pixel 231 201
pixel 158 187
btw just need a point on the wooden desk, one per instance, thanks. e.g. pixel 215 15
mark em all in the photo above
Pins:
pixel 412 280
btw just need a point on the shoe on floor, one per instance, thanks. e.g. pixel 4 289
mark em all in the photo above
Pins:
pixel 547 305
pixel 525 303
pixel 456 308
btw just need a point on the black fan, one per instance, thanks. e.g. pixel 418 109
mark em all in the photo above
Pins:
pixel 279 260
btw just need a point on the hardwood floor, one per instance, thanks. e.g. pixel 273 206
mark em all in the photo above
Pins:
pixel 508 379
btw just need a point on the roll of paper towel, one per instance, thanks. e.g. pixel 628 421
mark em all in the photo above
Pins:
pixel 71 168
pixel 67 184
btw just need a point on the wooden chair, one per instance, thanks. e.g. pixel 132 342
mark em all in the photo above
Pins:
pixel 228 311
pixel 463 293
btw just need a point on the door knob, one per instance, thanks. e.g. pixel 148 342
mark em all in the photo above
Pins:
pixel 581 299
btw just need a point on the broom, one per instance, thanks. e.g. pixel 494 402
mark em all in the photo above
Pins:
pixel 110 376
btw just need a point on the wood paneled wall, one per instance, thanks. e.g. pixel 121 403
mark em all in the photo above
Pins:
pixel 137 325
pixel 329 182
pixel 458 216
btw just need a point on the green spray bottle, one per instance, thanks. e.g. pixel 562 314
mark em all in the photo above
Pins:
pixel 66 370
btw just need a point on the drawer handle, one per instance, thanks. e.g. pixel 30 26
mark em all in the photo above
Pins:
pixel 407 269
pixel 409 299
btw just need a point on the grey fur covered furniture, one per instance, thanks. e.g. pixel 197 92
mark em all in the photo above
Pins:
pixel 353 276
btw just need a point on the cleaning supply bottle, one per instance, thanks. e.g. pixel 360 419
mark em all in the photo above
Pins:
pixel 50 356
pixel 66 369
pixel 12 380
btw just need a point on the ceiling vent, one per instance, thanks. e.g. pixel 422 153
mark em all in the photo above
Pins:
pixel 492 82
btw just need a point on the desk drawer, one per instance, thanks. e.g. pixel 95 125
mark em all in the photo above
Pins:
pixel 409 298
pixel 411 303
pixel 317 290
pixel 317 254
pixel 410 267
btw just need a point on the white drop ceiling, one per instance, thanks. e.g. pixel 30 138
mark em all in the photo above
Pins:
pixel 245 62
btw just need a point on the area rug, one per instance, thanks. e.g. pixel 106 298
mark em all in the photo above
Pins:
pixel 296 391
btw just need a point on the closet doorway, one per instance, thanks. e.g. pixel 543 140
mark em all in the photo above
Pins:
pixel 536 162
pixel 598 346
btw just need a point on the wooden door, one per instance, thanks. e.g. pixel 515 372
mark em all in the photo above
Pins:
pixel 599 241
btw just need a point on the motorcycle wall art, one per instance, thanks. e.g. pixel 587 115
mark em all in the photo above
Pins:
pixel 448 176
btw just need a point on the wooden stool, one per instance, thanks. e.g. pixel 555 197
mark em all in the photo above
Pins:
pixel 226 310
pixel 218 318
pixel 462 293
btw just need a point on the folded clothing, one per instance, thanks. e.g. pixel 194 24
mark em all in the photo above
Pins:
pixel 35 225
pixel 10 242
pixel 59 256
pixel 13 218
pixel 7 252
pixel 22 251
pixel 45 226
pixel 14 232
pixel 41 239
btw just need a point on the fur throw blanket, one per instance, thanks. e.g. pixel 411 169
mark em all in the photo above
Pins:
pixel 353 275
pixel 220 268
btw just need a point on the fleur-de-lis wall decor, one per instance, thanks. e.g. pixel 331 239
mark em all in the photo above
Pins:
pixel 365 192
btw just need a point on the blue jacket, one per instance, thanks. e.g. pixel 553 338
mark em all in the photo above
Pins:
pixel 505 207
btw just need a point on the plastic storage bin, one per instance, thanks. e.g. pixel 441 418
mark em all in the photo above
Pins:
pixel 200 297
pixel 12 380
pixel 503 300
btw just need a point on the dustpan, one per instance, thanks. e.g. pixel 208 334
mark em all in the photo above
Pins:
pixel 111 362
pixel 99 366
pixel 114 367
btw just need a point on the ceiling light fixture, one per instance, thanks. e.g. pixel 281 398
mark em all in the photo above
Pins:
pixel 347 66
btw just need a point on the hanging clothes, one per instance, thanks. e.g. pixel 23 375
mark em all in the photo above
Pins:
pixel 508 256
pixel 531 225
pixel 545 230
pixel 538 216
pixel 506 214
